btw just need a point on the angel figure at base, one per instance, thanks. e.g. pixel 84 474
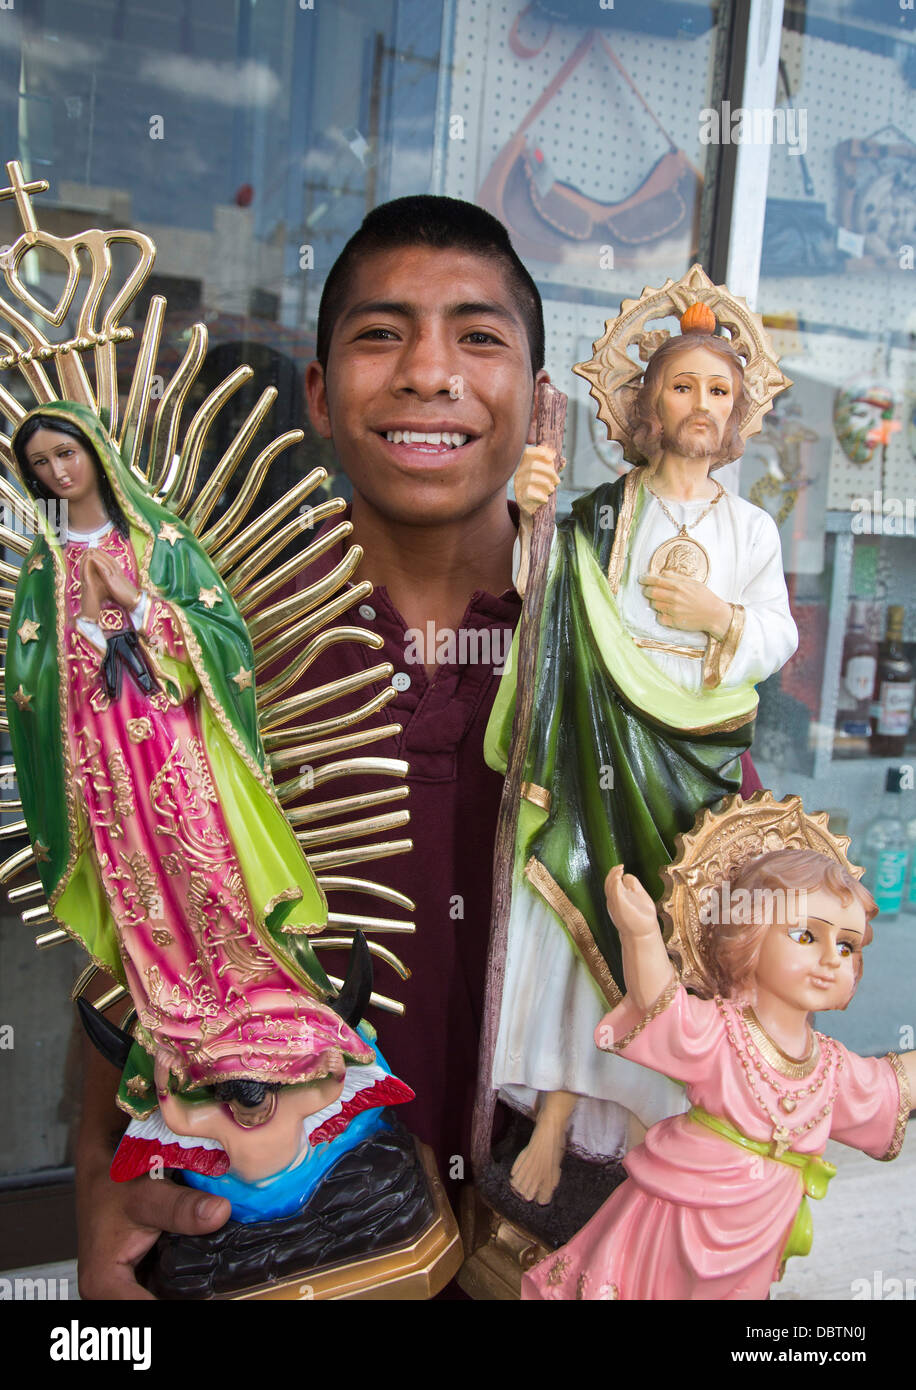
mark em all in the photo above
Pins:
pixel 665 604
pixel 160 842
pixel 769 923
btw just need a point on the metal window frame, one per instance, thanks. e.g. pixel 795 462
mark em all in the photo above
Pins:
pixel 735 208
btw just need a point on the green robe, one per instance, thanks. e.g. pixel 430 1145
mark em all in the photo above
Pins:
pixel 619 758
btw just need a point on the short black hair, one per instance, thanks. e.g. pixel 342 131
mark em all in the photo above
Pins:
pixel 444 224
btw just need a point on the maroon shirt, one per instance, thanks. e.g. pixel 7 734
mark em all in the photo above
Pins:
pixel 453 803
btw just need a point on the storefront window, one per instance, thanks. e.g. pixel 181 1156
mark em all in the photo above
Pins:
pixel 835 461
pixel 249 139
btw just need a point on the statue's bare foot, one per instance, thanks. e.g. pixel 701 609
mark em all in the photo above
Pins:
pixel 536 1171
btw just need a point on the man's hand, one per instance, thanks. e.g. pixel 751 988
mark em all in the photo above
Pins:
pixel 632 910
pixel 536 478
pixel 120 1221
pixel 687 604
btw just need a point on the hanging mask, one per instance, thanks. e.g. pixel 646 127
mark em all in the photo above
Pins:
pixel 863 418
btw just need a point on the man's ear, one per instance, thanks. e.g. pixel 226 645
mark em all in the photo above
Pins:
pixel 316 394
pixel 542 379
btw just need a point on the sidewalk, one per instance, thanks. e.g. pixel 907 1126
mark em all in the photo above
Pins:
pixel 864 1230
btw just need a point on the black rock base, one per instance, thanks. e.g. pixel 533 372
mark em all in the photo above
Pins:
pixel 375 1197
pixel 583 1188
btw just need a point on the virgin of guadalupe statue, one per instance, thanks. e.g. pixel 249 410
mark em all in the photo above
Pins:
pixel 155 689
pixel 665 604
pixel 159 838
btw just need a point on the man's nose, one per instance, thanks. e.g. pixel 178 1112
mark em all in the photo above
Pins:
pixel 830 955
pixel 425 364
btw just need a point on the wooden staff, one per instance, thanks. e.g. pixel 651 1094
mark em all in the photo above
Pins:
pixel 550 425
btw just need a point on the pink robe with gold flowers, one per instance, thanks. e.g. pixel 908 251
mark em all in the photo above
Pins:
pixel 699 1217
pixel 215 1002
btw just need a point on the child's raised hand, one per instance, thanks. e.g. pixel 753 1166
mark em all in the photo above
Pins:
pixel 631 908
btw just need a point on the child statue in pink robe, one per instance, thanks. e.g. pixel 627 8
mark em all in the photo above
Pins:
pixel 715 1200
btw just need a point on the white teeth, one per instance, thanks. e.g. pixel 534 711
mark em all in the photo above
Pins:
pixel 453 440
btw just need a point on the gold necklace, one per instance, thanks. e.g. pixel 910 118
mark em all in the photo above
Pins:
pixel 783 1135
pixel 795 1067
pixel 683 554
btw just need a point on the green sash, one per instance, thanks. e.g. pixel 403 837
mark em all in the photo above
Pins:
pixel 815 1170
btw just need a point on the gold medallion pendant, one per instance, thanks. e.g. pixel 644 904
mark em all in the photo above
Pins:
pixel 681 555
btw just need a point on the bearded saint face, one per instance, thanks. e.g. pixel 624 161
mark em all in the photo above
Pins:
pixel 691 403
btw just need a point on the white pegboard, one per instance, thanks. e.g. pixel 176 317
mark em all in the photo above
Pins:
pixel 840 361
pixel 848 93
pixel 598 138
pixel 594 133
pixel 571 330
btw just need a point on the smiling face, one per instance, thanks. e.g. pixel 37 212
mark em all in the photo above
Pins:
pixel 64 466
pixel 695 402
pixel 809 958
pixel 428 394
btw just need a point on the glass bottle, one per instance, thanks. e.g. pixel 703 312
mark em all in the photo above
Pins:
pixel 857 678
pixel 894 689
pixel 886 855
pixel 909 897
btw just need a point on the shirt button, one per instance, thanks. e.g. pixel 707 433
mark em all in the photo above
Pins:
pixel 400 680
pixel 366 611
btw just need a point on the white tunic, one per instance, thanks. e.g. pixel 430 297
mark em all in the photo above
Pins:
pixel 745 566
pixel 551 1005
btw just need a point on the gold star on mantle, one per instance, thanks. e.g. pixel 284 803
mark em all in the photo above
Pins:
pixel 37 562
pixel 170 533
pixel 41 853
pixel 243 679
pixel 22 698
pixel 28 631
pixel 210 596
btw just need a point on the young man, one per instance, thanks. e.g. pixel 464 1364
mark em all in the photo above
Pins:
pixel 430 347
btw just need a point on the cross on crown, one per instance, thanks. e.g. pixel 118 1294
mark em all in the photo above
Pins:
pixel 93 335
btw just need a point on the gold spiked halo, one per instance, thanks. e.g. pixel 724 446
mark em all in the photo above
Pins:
pixel 720 844
pixel 614 377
